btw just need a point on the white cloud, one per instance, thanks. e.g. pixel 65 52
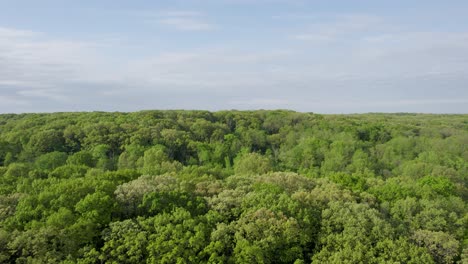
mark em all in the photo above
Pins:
pixel 11 102
pixel 180 13
pixel 422 102
pixel 184 20
pixel 215 70
pixel 188 24
pixel 385 68
pixel 37 72
pixel 260 103
pixel 372 48
pixel 15 33
pixel 19 83
pixel 336 27
pixel 29 59
pixel 314 37
pixel 52 94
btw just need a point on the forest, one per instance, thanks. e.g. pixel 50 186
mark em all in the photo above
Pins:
pixel 277 186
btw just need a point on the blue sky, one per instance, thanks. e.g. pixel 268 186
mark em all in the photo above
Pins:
pixel 333 56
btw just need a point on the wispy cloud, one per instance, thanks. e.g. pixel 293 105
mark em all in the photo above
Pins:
pixel 11 103
pixel 187 24
pixel 15 33
pixel 36 69
pixel 314 37
pixel 335 27
pixel 359 63
pixel 52 94
pixel 265 103
pixel 184 20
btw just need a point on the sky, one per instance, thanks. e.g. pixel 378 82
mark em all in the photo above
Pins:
pixel 333 56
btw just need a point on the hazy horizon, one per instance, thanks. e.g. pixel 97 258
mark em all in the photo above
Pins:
pixel 328 57
pixel 231 110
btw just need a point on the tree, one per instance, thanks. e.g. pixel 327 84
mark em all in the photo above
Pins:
pixel 340 154
pixel 349 232
pixel 83 158
pixel 130 195
pixel 442 246
pixel 153 158
pixel 132 157
pixel 69 171
pixel 232 187
pixel 46 141
pixel 124 242
pixel 265 237
pixel 432 185
pixel 158 202
pixel 251 163
pixel 103 156
pixel 307 154
pixel 176 237
pixel 51 160
pixel 96 207
pixel 41 245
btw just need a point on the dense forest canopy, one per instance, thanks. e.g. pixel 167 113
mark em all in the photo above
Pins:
pixel 233 187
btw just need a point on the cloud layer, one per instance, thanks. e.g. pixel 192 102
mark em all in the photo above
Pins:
pixel 334 64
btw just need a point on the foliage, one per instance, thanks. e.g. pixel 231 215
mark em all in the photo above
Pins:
pixel 233 187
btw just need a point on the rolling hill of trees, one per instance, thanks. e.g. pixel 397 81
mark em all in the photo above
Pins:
pixel 233 187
